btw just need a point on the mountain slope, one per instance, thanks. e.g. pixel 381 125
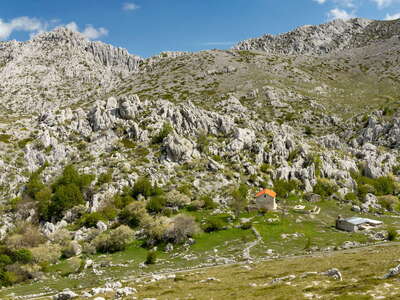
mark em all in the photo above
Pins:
pixel 321 39
pixel 176 139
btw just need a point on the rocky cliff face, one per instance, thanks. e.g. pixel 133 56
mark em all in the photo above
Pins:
pixel 59 68
pixel 326 38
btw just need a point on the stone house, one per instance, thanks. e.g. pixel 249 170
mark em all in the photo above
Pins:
pixel 354 224
pixel 265 199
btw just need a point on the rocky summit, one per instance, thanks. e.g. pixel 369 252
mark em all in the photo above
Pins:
pixel 102 151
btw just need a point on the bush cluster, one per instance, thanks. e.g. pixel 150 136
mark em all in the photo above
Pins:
pixel 213 223
pixel 67 192
pixel 113 240
pixel 380 186
pixel 11 262
pixel 284 187
pixel 325 187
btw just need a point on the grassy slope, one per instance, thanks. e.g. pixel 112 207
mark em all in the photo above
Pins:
pixel 229 244
pixel 362 270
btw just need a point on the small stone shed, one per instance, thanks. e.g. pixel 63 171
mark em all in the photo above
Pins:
pixel 265 199
pixel 354 224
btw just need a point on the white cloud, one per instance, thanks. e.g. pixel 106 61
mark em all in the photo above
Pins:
pixel 392 17
pixel 383 3
pixel 72 26
pixel 35 26
pixel 344 3
pixel 130 6
pixel 31 25
pixel 337 13
pixel 94 33
pixel 89 32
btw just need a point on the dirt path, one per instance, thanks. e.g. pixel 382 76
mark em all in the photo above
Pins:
pixel 246 251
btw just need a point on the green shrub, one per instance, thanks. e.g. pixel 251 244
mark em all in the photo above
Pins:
pixel 64 198
pixel 384 185
pixel 203 143
pixel 396 170
pixel 43 198
pixel 389 202
pixel 308 243
pixel 308 130
pixel 71 176
pixel 127 218
pixel 104 178
pixel 133 214
pixel 128 144
pixel 7 278
pixel 121 201
pixel 164 132
pixel 284 187
pixel 144 187
pixel 208 202
pixel 109 212
pixel 14 203
pixel 23 256
pixel 246 226
pixel 5 260
pixel 34 185
pixel 114 240
pixel 392 234
pixel 5 138
pixel 90 220
pixel 380 186
pixel 195 205
pixel 294 154
pixel 176 198
pixel 364 189
pixel 213 224
pixel 352 197
pixel 46 253
pixel 156 204
pixel 265 168
pixel 24 142
pixel 325 187
pixel 151 258
pixel 67 192
pixel 186 189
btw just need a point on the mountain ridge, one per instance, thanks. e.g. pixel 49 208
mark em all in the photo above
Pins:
pixel 325 38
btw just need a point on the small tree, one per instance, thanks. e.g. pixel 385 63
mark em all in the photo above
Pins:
pixel 142 187
pixel 151 258
pixel 182 227
pixel 34 185
pixel 65 197
pixel 239 199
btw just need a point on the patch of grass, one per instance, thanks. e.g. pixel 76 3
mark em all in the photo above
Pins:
pixel 5 138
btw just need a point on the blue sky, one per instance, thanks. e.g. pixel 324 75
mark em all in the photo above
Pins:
pixel 147 27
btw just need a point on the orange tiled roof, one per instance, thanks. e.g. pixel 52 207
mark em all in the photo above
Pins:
pixel 266 191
